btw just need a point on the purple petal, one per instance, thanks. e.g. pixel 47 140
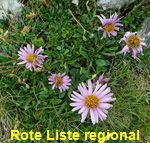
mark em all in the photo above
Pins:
pixel 105 105
pixel 101 113
pixel 23 62
pixel 76 104
pixel 104 110
pixel 29 49
pixel 104 34
pixel 82 91
pixel 144 44
pixel 97 87
pixel 76 108
pixel 117 28
pixel 90 86
pixel 32 49
pixel 106 79
pixel 60 88
pixel 78 95
pixel 108 99
pixel 125 49
pixel 76 99
pixel 102 20
pixel 108 95
pixel 114 33
pixel 92 116
pixel 118 24
pixel 101 89
pixel 100 28
pixel 107 90
pixel 50 82
pixel 96 115
pixel 84 115
pixel 53 86
pixel 82 109
pixel 84 87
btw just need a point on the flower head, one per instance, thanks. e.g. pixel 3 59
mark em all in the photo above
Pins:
pixel 30 58
pixel 60 81
pixel 109 25
pixel 133 43
pixel 92 100
pixel 103 79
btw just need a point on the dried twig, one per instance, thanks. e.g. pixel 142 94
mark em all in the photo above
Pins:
pixel 7 62
pixel 79 22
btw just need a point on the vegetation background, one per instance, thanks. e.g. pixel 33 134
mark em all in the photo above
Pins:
pixel 27 102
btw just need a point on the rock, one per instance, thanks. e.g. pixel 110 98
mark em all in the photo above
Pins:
pixel 76 2
pixel 9 5
pixel 145 31
pixel 113 4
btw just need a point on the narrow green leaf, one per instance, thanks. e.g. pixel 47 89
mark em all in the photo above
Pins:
pixel 56 101
pixel 100 62
pixel 84 54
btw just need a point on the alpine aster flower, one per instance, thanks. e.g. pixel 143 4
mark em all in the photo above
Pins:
pixel 30 58
pixel 103 79
pixel 60 81
pixel 109 25
pixel 92 100
pixel 133 43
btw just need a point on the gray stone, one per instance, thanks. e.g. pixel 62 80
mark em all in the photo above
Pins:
pixel 9 5
pixel 113 4
pixel 145 31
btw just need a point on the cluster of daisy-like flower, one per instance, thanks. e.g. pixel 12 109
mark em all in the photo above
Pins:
pixel 31 58
pixel 92 98
pixel 133 42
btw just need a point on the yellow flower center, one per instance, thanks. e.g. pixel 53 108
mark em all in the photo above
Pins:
pixel 133 41
pixel 102 82
pixel 31 57
pixel 58 81
pixel 91 101
pixel 109 27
